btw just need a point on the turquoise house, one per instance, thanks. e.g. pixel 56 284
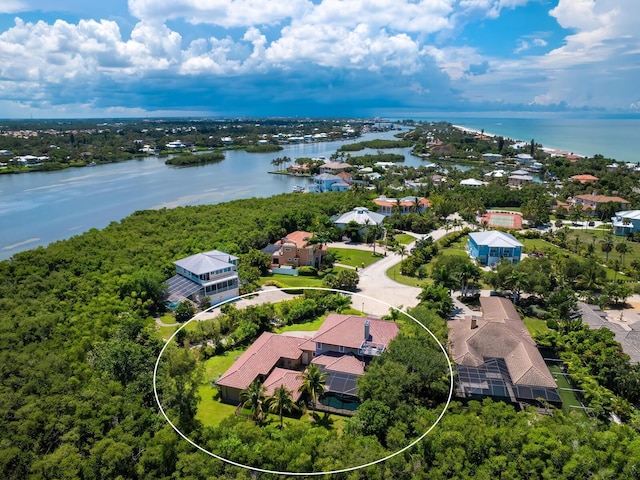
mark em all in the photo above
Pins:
pixel 626 222
pixel 489 247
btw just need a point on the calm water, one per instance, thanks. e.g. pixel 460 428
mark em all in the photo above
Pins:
pixel 613 138
pixel 41 207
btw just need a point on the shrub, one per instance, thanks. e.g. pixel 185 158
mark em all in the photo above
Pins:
pixel 307 270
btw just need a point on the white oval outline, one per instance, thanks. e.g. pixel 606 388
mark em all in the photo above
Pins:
pixel 300 474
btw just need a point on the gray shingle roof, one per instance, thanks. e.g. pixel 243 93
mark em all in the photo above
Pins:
pixel 206 262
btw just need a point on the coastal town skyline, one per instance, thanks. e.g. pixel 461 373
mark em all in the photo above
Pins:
pixel 316 58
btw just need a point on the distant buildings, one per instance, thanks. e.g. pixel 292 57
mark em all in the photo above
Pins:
pixel 591 202
pixel 361 216
pixel 388 206
pixel 328 182
pixel 472 182
pixel 585 178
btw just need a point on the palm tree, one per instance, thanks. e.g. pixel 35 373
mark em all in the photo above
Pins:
pixel 517 282
pixel 622 248
pixel 253 398
pixel 467 272
pixel 313 382
pixel 281 401
pixel 590 277
pixel 401 250
pixel 375 231
pixel 607 246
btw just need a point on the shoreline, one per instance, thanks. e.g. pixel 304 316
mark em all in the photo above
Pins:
pixel 547 149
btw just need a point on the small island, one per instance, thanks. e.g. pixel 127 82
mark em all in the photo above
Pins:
pixel 190 159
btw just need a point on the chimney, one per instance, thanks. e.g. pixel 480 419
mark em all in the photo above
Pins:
pixel 366 331
pixel 474 322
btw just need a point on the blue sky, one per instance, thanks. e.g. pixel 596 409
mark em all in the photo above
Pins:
pixel 78 58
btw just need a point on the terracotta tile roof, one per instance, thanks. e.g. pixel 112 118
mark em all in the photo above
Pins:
pixel 342 364
pixel 600 199
pixel 586 178
pixel 298 238
pixel 404 202
pixel 291 379
pixel 260 358
pixel 348 331
pixel 499 334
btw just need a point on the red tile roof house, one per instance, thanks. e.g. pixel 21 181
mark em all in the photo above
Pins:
pixel 591 202
pixel 342 347
pixel 586 178
pixel 295 250
pixel 388 206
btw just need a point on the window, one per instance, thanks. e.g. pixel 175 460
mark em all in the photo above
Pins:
pixel 341 348
pixel 319 346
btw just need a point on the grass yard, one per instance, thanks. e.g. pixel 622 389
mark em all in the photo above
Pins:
pixel 394 274
pixel 302 327
pixel 291 281
pixel 355 258
pixel 585 237
pixel 535 325
pixel 404 238
pixel 569 399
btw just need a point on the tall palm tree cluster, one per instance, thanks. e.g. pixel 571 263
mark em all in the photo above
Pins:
pixel 254 398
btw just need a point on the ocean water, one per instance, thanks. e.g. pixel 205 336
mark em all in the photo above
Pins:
pixel 615 138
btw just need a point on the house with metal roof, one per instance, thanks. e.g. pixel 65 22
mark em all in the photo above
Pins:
pixel 212 274
pixel 360 215
pixel 626 222
pixel 489 247
pixel 328 182
pixel 496 357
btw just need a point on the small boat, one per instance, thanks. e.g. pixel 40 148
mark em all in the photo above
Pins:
pixel 299 189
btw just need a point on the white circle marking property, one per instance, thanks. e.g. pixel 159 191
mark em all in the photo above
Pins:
pixel 263 470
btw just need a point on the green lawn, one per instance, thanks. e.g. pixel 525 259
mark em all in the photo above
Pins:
pixel 569 399
pixel 535 325
pixel 355 258
pixel 299 281
pixel 304 327
pixel 404 238
pixel 394 274
pixel 540 245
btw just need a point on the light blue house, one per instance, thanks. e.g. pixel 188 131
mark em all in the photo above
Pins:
pixel 488 248
pixel 626 222
pixel 327 182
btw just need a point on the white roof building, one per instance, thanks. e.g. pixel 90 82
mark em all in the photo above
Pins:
pixel 472 182
pixel 360 215
pixel 495 239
